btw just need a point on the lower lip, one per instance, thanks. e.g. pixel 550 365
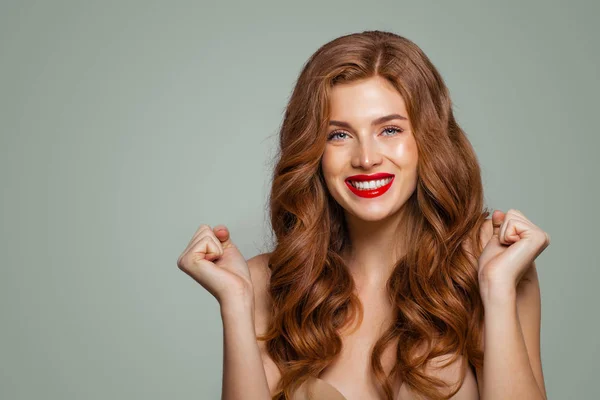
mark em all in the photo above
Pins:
pixel 370 193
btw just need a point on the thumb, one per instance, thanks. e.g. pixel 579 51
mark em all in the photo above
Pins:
pixel 222 233
pixel 497 218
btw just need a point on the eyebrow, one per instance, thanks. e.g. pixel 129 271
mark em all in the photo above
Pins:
pixel 377 121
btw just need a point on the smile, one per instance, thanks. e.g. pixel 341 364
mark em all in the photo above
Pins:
pixel 370 189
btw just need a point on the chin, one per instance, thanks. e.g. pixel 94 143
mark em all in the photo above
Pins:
pixel 370 215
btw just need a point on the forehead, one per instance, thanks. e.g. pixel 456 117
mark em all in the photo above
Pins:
pixel 367 98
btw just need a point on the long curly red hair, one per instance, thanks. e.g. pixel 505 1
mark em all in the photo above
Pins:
pixel 434 286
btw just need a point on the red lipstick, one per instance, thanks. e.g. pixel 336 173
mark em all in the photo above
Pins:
pixel 379 175
pixel 370 193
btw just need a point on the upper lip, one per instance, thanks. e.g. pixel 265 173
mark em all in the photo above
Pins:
pixel 379 175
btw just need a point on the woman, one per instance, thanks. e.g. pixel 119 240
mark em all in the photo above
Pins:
pixel 385 268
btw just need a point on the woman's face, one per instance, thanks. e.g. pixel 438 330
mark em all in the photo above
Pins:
pixel 358 146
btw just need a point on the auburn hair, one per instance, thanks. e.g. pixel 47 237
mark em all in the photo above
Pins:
pixel 434 285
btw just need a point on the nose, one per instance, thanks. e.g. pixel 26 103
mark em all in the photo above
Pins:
pixel 366 155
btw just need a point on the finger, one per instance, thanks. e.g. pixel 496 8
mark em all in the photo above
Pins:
pixel 513 229
pixel 518 212
pixel 513 213
pixel 497 218
pixel 202 231
pixel 189 261
pixel 502 232
pixel 508 230
pixel 222 233
pixel 214 243
pixel 194 238
pixel 207 248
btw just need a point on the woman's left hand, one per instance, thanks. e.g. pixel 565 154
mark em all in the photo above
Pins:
pixel 515 244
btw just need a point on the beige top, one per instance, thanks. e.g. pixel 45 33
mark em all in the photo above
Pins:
pixel 317 389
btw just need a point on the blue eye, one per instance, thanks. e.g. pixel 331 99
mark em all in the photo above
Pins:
pixel 394 129
pixel 335 134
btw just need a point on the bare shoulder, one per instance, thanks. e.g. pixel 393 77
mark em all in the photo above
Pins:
pixel 260 275
pixel 486 230
pixel 259 269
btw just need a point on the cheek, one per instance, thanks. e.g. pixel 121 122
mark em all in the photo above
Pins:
pixel 329 163
pixel 406 153
pixel 325 165
pixel 331 168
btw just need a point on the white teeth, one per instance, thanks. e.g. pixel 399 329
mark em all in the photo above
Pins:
pixel 370 185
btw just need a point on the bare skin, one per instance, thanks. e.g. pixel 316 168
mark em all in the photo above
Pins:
pixel 374 225
pixel 356 146
pixel 349 374
pixel 363 148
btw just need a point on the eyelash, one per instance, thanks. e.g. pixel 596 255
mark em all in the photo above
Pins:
pixel 398 130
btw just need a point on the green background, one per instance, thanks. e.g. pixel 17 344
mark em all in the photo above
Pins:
pixel 124 125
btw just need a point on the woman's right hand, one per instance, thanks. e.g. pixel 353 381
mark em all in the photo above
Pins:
pixel 213 261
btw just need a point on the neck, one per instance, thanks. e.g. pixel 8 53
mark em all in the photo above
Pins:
pixel 375 246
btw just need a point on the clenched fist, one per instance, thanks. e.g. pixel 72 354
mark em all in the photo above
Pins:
pixel 215 262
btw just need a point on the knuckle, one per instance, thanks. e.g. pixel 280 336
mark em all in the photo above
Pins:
pixel 182 263
pixel 544 239
pixel 204 227
pixel 191 260
pixel 210 241
pixel 207 232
